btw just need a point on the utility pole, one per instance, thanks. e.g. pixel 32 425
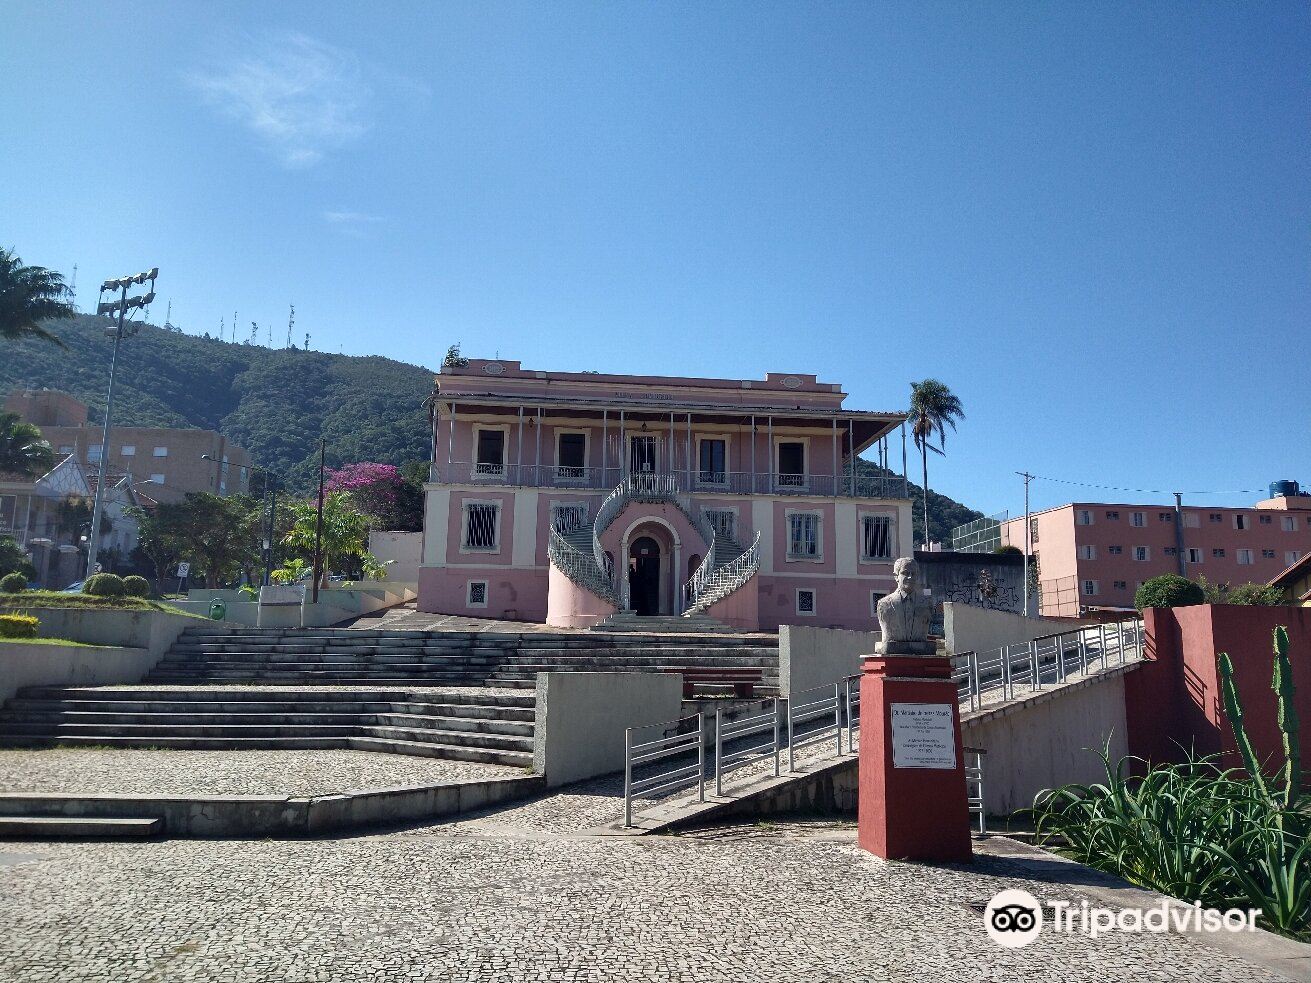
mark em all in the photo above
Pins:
pixel 1028 544
pixel 120 307
pixel 1179 532
pixel 318 527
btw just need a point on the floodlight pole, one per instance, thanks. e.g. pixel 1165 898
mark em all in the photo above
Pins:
pixel 122 304
pixel 318 526
pixel 1028 544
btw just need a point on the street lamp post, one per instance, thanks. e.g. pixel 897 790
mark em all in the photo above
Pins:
pixel 121 306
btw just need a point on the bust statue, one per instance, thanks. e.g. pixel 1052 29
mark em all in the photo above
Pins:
pixel 905 614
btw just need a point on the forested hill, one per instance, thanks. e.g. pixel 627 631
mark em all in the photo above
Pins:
pixel 275 403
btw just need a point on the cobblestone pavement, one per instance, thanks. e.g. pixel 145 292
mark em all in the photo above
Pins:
pixel 525 900
pixel 144 771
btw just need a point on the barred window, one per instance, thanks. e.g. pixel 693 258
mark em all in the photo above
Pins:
pixel 805 601
pixel 477 594
pixel 876 537
pixel 480 525
pixel 568 517
pixel 803 535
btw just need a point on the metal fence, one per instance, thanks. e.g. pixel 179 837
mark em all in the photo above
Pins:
pixel 1045 661
pixel 830 715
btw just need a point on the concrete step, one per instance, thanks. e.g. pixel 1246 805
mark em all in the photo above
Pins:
pixel 74 722
pixel 61 827
pixel 514 759
pixel 16 709
pixel 241 695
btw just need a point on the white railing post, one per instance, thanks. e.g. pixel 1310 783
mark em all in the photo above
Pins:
pixel 1060 658
pixel 1006 672
pixel 837 716
pixel 777 727
pixel 1101 641
pixel 972 668
pixel 1033 664
pixel 628 776
pixel 719 751
pixel 701 757
pixel 851 727
pixel 792 755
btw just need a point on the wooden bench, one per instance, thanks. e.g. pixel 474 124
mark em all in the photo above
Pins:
pixel 743 681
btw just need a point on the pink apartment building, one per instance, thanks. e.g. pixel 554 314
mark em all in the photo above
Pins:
pixel 565 497
pixel 1095 555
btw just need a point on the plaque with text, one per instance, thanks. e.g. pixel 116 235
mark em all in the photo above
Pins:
pixel 923 736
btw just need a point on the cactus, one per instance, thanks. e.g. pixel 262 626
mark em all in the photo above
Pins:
pixel 1288 722
pixel 1234 711
pixel 1286 716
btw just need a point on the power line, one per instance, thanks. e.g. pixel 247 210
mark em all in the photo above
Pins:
pixel 1148 491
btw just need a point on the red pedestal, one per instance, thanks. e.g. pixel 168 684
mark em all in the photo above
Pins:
pixel 910 813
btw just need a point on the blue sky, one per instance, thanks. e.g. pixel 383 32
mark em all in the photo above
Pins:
pixel 1090 220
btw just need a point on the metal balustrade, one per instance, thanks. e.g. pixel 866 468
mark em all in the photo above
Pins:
pixel 728 482
pixel 1048 660
pixel 695 588
pixel 683 744
pixel 727 578
pixel 579 567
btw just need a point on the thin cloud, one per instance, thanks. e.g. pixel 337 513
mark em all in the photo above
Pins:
pixel 351 218
pixel 302 97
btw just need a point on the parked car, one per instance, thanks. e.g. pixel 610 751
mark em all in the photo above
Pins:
pixel 73 588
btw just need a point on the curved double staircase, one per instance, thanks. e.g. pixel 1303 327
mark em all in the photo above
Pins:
pixel 578 554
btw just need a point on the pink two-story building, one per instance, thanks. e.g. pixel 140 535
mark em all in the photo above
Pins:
pixel 565 497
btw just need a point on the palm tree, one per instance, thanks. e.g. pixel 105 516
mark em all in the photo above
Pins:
pixel 29 295
pixel 933 408
pixel 22 449
pixel 345 539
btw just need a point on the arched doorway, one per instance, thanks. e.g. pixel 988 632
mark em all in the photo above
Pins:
pixel 644 575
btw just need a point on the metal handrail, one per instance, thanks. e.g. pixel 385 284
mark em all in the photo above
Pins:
pixel 578 566
pixel 676 745
pixel 693 589
pixel 729 577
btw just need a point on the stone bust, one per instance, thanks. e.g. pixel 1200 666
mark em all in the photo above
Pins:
pixel 905 614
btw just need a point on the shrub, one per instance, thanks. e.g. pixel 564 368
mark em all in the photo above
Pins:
pixel 1168 591
pixel 103 585
pixel 1008 551
pixel 18 626
pixel 135 586
pixel 13 583
pixel 1256 594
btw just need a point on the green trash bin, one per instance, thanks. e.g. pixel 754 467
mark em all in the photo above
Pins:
pixel 217 610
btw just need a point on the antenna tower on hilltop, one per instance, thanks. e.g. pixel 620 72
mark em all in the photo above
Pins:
pixel 307 341
pixel 73 286
pixel 291 322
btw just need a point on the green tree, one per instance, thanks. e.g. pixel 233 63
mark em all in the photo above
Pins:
pixel 28 296
pixel 23 450
pixel 933 408
pixel 345 533
pixel 221 535
pixel 13 559
pixel 161 536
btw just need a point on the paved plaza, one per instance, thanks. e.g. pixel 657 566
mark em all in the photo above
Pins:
pixel 530 894
pixel 148 771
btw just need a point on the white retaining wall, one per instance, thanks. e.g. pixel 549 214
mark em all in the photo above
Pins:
pixel 24 665
pixel 581 716
pixel 810 657
pixel 971 629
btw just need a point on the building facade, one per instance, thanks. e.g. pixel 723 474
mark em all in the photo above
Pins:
pixel 1094 555
pixel 170 461
pixel 566 497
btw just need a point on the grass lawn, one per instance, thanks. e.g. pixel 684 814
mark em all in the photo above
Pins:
pixel 52 641
pixel 36 600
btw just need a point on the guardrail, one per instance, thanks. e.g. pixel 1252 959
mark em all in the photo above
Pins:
pixel 829 713
pixel 1048 660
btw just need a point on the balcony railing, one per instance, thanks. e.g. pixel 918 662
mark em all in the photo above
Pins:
pixel 725 482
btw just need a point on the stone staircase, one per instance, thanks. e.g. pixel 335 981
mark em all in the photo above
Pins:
pixel 214 655
pixel 459 725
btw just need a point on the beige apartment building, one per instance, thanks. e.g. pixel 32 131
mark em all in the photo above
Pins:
pixel 164 463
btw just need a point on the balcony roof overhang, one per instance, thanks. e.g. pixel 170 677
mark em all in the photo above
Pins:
pixel 866 426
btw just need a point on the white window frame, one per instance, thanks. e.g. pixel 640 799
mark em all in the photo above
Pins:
pixel 475 469
pixel 789 556
pixel 698 440
pixel 1192 520
pixel 161 451
pixel 1085 592
pixel 1138 520
pixel 892 536
pixel 1195 555
pixel 1083 517
pixel 464 525
pixel 560 477
pixel 93 454
pixel 1146 557
pixel 67 449
pixel 1245 558
pixel 656 443
pixel 804 483
pixel 1288 523
pixel 1291 557
pixel 1241 521
pixel 128 450
pixel 814 602
pixel 157 479
pixel 1086 552
pixel 469 602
